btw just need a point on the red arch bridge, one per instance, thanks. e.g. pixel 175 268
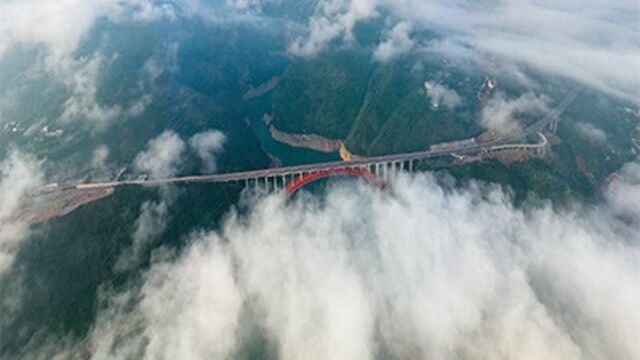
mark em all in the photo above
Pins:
pixel 290 183
pixel 375 174
pixel 303 180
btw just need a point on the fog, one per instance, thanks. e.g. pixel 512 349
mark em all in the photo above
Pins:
pixel 502 115
pixel 207 145
pixel 594 42
pixel 427 272
pixel 19 174
pixel 162 157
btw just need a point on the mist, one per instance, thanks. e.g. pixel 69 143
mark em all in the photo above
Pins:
pixel 594 42
pixel 19 174
pixel 430 271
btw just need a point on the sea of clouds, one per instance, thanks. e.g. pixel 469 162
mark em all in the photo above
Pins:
pixel 593 42
pixel 428 271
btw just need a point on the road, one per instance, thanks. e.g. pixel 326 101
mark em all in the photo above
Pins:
pixel 471 149
pixel 288 170
pixel 539 126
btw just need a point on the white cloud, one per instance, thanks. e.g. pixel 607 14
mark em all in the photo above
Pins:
pixel 163 156
pixel 363 270
pixel 441 94
pixel 162 159
pixel 56 29
pixel 334 19
pixel 624 192
pixel 150 224
pixel 224 12
pixel 99 157
pixel 595 42
pixel 82 78
pixel 61 25
pixel 592 133
pixel 174 319
pixel 501 114
pixel 36 22
pixel 19 173
pixel 207 145
pixel 397 42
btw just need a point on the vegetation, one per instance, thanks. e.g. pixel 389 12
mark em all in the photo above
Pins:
pixel 383 108
pixel 376 108
pixel 322 95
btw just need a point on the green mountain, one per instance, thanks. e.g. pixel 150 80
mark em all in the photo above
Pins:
pixel 376 108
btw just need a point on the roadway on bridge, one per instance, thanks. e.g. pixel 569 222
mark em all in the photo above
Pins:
pixel 300 169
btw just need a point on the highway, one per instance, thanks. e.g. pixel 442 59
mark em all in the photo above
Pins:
pixel 300 169
pixel 470 149
pixel 554 114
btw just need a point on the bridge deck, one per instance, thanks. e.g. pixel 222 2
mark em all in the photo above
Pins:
pixel 291 170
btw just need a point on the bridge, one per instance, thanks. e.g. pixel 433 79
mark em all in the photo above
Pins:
pixel 382 167
pixel 537 149
pixel 298 183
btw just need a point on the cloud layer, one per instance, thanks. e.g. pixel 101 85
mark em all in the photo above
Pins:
pixel 502 115
pixel 166 153
pixel 429 272
pixel 19 174
pixel 53 34
pixel 207 145
pixel 440 94
pixel 595 42
pixel 398 41
pixel 592 133
pixel 60 26
pixel 163 156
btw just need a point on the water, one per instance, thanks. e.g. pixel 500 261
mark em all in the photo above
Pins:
pixel 289 155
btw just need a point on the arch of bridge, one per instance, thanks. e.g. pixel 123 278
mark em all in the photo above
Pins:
pixel 317 175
